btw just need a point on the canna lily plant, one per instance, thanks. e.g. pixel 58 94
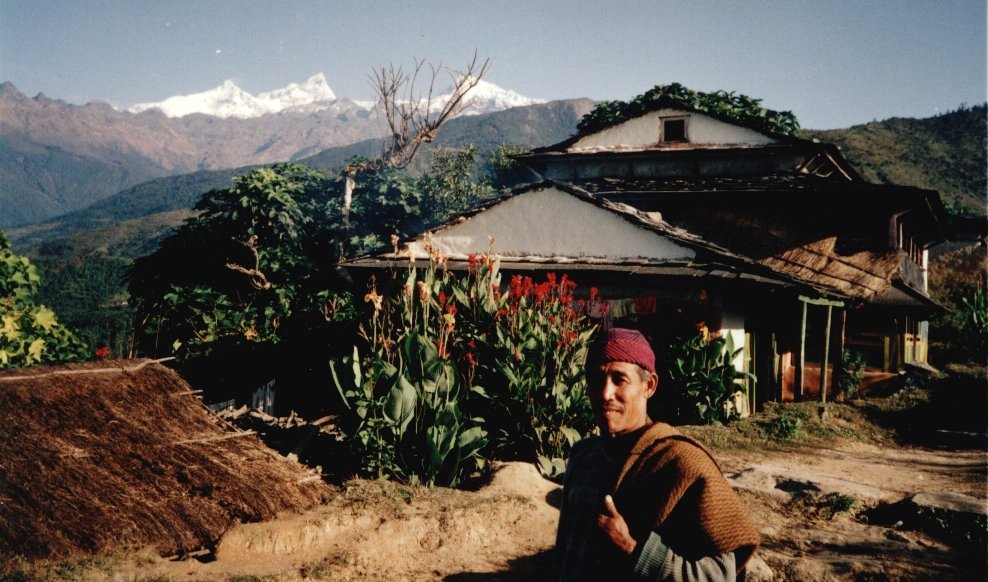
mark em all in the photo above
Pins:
pixel 456 370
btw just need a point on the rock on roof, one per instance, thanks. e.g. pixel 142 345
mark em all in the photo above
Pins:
pixel 101 454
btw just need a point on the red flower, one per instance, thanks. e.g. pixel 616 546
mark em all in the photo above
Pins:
pixel 515 285
pixel 472 259
pixel 442 298
pixel 542 290
pixel 102 352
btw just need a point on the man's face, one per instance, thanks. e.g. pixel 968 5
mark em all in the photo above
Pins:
pixel 619 396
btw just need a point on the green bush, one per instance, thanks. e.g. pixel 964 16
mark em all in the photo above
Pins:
pixel 852 365
pixel 702 379
pixel 30 333
pixel 785 427
pixel 835 503
pixel 456 370
pixel 972 318
pixel 723 105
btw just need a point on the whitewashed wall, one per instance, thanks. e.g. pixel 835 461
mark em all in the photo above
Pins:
pixel 644 131
pixel 552 224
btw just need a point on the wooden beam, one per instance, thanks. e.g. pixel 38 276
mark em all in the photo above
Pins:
pixel 821 301
pixel 841 346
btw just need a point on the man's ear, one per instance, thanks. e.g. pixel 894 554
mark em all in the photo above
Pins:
pixel 651 385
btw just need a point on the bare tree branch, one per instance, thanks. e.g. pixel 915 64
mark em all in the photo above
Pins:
pixel 257 278
pixel 412 120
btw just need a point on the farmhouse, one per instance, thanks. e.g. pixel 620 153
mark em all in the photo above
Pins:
pixel 687 216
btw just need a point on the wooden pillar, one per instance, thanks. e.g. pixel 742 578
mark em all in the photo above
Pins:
pixel 826 356
pixel 841 346
pixel 801 360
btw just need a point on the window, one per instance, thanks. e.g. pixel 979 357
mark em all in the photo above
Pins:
pixel 674 129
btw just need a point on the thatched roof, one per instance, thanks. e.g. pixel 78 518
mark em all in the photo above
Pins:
pixel 862 275
pixel 122 452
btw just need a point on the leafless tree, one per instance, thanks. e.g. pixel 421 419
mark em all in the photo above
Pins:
pixel 413 117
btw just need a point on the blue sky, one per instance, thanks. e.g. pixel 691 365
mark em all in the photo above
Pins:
pixel 834 63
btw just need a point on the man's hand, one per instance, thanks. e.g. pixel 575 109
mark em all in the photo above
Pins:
pixel 612 523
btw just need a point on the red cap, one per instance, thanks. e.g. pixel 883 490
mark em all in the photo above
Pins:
pixel 621 345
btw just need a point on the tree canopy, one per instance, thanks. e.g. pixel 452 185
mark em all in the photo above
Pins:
pixel 259 260
pixel 30 333
pixel 725 105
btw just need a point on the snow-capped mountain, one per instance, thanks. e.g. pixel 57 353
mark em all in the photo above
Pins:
pixel 229 100
pixel 487 97
pixel 62 157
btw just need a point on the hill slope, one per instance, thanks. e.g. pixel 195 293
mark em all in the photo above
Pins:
pixel 944 153
pixel 526 126
pixel 57 157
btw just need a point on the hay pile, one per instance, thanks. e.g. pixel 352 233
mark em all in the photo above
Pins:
pixel 99 455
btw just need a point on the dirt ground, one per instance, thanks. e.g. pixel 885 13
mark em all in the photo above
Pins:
pixel 849 510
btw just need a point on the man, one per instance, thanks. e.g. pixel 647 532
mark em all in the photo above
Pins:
pixel 642 501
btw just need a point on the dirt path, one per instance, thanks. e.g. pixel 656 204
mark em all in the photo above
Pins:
pixel 898 494
pixel 505 530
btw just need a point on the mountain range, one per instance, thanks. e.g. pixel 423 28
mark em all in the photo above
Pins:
pixel 229 100
pixel 70 170
pixel 56 157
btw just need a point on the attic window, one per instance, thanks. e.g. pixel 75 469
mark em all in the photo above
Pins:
pixel 673 129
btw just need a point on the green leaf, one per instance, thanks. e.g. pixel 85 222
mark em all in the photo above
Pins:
pixel 553 468
pixel 35 350
pixel 570 434
pixel 470 442
pixel 399 405
pixel 346 384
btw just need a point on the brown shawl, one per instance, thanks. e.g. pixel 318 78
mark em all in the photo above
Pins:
pixel 671 484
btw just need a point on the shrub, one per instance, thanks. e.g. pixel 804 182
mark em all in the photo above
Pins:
pixel 785 427
pixel 852 365
pixel 30 333
pixel 517 391
pixel 972 317
pixel 835 503
pixel 702 379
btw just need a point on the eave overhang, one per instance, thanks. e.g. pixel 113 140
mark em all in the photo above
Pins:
pixel 711 261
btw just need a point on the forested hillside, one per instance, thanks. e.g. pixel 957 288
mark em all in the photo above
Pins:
pixel 528 127
pixel 944 153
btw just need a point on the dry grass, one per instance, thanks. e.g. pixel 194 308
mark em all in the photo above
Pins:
pixel 122 454
pixel 952 407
